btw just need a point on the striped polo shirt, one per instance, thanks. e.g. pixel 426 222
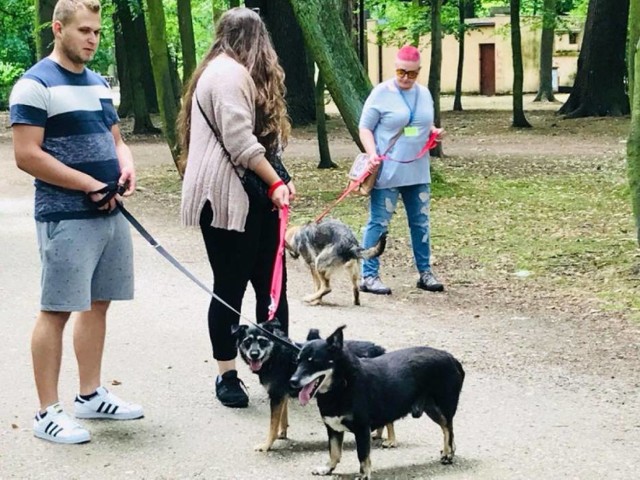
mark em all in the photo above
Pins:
pixel 76 111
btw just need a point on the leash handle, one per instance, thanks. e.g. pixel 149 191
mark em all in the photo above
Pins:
pixel 276 275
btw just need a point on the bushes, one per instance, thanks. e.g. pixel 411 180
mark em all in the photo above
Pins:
pixel 9 73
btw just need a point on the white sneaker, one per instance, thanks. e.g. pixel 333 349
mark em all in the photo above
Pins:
pixel 56 426
pixel 106 405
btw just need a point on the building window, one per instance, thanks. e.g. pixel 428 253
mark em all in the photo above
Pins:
pixel 573 38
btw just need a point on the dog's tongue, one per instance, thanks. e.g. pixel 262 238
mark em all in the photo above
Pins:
pixel 255 365
pixel 305 394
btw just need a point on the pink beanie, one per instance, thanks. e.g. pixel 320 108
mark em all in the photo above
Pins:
pixel 408 53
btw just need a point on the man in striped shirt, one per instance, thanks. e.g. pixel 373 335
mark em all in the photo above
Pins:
pixel 66 135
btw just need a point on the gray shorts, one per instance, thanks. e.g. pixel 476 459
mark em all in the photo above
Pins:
pixel 84 261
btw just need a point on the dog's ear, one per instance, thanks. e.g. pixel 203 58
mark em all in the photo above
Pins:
pixel 336 339
pixel 239 332
pixel 314 334
pixel 272 325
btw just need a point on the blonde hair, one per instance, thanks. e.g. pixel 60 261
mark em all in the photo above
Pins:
pixel 242 35
pixel 66 9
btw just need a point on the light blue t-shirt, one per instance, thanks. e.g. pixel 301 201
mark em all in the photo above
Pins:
pixel 389 109
pixel 77 113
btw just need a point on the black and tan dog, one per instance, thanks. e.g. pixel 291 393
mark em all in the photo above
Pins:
pixel 358 395
pixel 274 363
pixel 326 247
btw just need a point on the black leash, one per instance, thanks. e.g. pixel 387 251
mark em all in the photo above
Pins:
pixel 120 189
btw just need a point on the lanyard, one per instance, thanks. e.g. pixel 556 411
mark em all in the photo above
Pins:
pixel 412 111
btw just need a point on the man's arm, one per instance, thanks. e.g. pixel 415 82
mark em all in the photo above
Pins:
pixel 125 159
pixel 27 145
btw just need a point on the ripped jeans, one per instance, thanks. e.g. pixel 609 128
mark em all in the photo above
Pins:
pixel 382 205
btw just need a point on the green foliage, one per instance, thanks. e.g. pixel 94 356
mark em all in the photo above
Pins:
pixel 17 44
pixel 9 73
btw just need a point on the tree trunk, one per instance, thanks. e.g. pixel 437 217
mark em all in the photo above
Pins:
pixel 330 45
pixel 633 142
pixel 144 57
pixel 321 122
pixel 44 34
pixel 634 37
pixel 545 90
pixel 142 119
pixel 124 79
pixel 519 120
pixel 435 67
pixel 187 40
pixel 599 86
pixel 162 74
pixel 288 42
pixel 462 33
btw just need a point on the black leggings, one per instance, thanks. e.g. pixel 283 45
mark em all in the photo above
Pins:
pixel 236 259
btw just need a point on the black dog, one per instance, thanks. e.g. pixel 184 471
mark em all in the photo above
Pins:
pixel 275 363
pixel 358 395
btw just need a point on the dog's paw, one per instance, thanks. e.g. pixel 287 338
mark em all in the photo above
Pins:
pixel 283 435
pixel 323 470
pixel 446 459
pixel 389 444
pixel 263 447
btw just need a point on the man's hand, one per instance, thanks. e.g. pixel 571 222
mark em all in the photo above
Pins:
pixel 128 178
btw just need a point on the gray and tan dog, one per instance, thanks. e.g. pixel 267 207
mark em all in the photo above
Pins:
pixel 326 247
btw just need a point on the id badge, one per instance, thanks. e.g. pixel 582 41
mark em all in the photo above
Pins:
pixel 410 131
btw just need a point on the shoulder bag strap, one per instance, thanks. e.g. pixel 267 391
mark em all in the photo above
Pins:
pixel 217 135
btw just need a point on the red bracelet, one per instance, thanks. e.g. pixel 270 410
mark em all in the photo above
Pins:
pixel 273 187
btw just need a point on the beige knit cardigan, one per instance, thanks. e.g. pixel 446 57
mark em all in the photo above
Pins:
pixel 227 94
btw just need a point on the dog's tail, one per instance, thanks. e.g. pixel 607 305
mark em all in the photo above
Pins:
pixel 376 250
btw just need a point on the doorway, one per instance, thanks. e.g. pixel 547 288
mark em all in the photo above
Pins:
pixel 487 69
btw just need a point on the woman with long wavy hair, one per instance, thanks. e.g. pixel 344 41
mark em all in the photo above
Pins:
pixel 233 126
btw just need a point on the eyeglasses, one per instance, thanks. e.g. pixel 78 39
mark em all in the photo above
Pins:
pixel 411 74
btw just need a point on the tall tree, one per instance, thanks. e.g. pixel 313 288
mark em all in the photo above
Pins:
pixel 633 142
pixel 133 68
pixel 162 74
pixel 599 86
pixel 341 69
pixel 634 37
pixel 462 33
pixel 549 16
pixel 187 39
pixel 519 120
pixel 44 34
pixel 288 42
pixel 435 66
pixel 321 126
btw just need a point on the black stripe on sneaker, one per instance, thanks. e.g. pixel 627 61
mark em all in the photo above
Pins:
pixel 115 409
pixel 56 430
pixel 100 407
pixel 46 430
pixel 110 406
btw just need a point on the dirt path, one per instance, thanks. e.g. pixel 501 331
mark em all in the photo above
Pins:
pixel 545 396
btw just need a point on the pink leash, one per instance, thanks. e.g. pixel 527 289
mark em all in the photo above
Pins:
pixel 276 276
pixel 431 143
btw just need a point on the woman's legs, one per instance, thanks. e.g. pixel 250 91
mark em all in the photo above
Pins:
pixel 382 204
pixel 417 199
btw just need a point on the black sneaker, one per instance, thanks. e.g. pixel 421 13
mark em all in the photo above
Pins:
pixel 231 391
pixel 429 282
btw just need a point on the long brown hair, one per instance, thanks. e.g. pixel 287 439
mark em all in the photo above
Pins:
pixel 242 35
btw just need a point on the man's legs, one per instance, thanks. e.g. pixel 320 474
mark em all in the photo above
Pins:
pixel 46 352
pixel 88 343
